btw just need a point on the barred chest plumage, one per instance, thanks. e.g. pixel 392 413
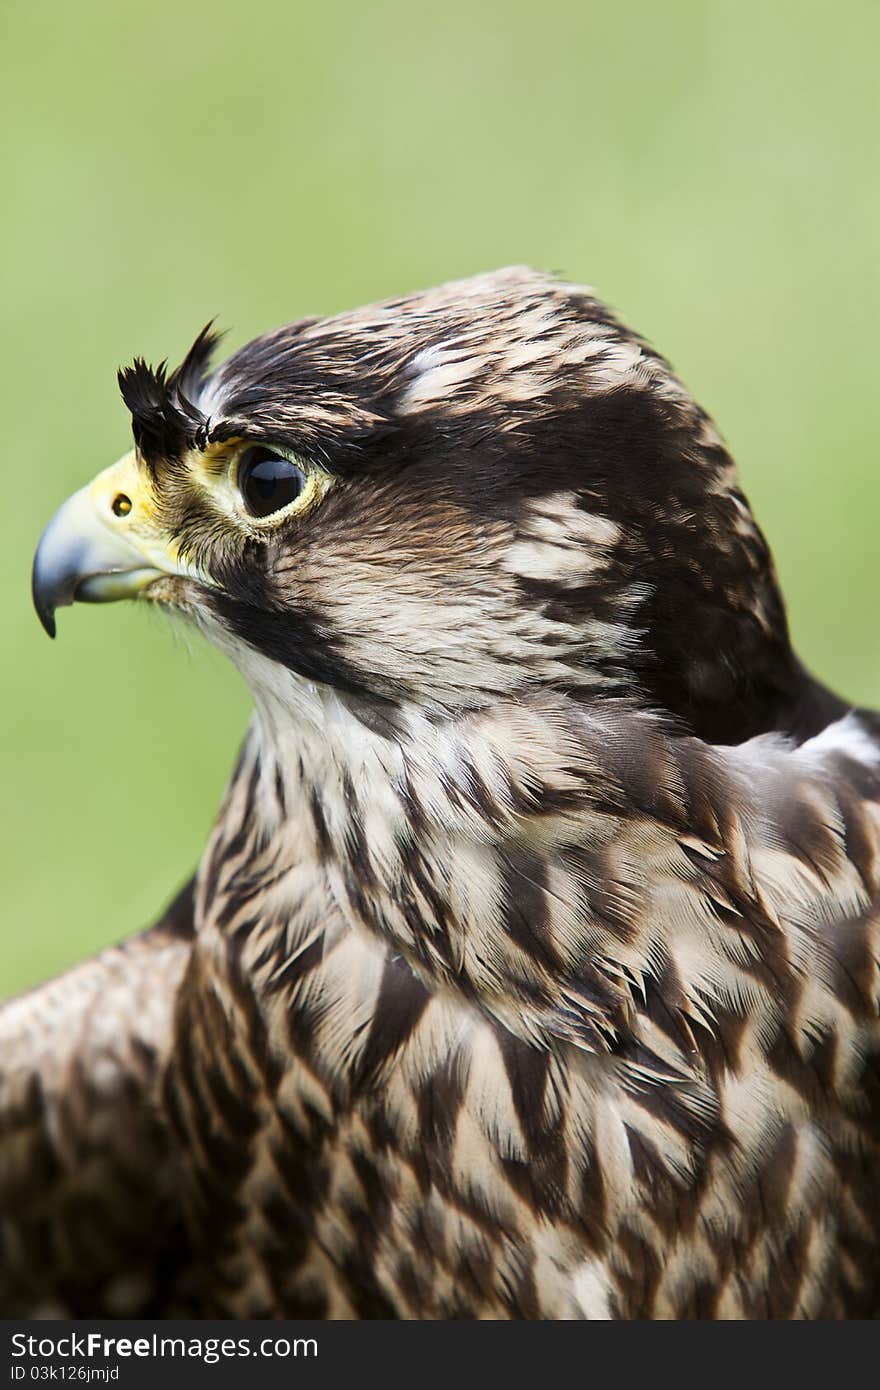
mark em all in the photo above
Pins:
pixel 499 1092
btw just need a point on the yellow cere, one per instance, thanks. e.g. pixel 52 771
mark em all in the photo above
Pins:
pixel 123 499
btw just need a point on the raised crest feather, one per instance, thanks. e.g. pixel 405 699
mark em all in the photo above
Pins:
pixel 165 418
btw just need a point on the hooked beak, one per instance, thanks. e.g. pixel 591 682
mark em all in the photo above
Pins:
pixel 100 545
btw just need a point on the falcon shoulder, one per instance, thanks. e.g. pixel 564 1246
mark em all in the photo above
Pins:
pixel 89 1216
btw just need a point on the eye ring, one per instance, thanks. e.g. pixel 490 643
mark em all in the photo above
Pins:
pixel 268 481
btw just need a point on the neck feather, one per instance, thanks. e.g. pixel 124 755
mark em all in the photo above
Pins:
pixel 582 878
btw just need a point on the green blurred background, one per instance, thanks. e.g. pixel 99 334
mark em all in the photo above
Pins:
pixel 711 168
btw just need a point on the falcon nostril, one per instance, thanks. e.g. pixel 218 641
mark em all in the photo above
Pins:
pixel 121 504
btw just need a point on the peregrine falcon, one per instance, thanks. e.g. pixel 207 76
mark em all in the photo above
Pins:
pixel 531 967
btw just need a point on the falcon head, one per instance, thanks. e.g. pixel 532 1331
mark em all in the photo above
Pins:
pixel 440 501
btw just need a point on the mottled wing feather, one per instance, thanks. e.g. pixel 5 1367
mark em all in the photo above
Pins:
pixel 89 1223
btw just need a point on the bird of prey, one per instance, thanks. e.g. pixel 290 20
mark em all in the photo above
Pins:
pixel 531 968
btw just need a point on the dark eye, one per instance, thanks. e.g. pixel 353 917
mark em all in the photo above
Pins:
pixel 267 481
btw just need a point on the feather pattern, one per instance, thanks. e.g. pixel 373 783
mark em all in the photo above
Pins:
pixel 603 1064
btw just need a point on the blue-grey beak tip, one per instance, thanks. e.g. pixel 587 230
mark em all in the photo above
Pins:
pixel 82 559
pixel 44 592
